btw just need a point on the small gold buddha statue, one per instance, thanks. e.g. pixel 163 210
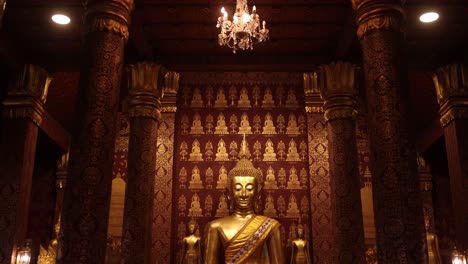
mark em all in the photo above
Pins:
pixel 197 100
pixel 291 101
pixel 196 127
pixel 270 209
pixel 268 126
pixel 223 207
pixel 244 236
pixel 270 179
pixel 196 182
pixel 270 154
pixel 221 152
pixel 244 98
pixel 222 178
pixel 293 183
pixel 195 154
pixel 245 127
pixel 191 245
pixel 292 155
pixel 292 128
pixel 300 253
pixel 195 207
pixel 293 210
pixel 268 99
pixel 221 127
pixel 220 101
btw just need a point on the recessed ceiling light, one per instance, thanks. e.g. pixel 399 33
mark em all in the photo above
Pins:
pixel 61 19
pixel 429 17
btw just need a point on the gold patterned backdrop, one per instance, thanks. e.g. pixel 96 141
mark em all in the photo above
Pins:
pixel 214 111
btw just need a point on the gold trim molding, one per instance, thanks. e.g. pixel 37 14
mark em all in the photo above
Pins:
pixel 110 15
pixel 377 15
pixel 27 94
pixel 146 84
pixel 451 84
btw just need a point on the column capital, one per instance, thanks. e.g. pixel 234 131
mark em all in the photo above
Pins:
pixel 146 88
pixel 27 94
pixel 171 87
pixel 451 83
pixel 313 102
pixel 109 15
pixel 337 83
pixel 378 14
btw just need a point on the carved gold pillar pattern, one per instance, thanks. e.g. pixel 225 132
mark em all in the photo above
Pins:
pixel 451 84
pixel 338 90
pixel 320 189
pixel 22 115
pixel 397 201
pixel 162 209
pixel 146 89
pixel 86 205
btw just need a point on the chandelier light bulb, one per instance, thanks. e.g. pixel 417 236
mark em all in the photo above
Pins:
pixel 429 17
pixel 246 18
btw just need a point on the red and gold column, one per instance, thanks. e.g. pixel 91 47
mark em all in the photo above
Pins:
pixel 22 115
pixel 86 204
pixel 338 90
pixel 397 202
pixel 163 180
pixel 451 84
pixel 146 89
pixel 319 169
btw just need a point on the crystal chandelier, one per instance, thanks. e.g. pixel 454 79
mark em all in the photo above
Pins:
pixel 244 30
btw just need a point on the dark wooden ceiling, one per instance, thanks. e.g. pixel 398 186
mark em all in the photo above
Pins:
pixel 182 35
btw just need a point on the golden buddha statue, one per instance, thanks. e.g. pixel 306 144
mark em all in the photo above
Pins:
pixel 221 127
pixel 293 210
pixel 220 101
pixel 223 207
pixel 270 154
pixel 270 179
pixel 243 98
pixel 245 127
pixel 300 253
pixel 293 183
pixel 244 236
pixel 432 245
pixel 195 207
pixel 196 182
pixel 197 100
pixel 268 99
pixel 268 126
pixel 291 101
pixel 292 155
pixel 221 152
pixel 196 154
pixel 269 206
pixel 292 128
pixel 222 178
pixel 191 245
pixel 196 127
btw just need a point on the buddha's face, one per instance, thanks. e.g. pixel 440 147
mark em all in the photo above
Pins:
pixel 300 232
pixel 192 227
pixel 244 192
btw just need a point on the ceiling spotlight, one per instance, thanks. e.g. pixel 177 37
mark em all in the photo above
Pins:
pixel 429 17
pixel 61 19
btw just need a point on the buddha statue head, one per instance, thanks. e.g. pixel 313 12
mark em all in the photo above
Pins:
pixel 243 185
pixel 192 226
pixel 300 231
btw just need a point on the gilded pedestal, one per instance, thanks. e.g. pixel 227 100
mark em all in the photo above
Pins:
pixel 397 202
pixel 338 89
pixel 451 84
pixel 22 114
pixel 87 200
